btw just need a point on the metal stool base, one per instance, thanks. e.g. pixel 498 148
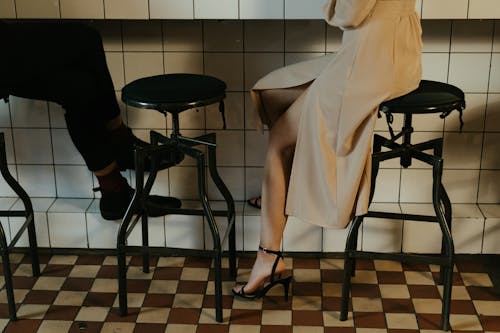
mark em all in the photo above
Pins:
pixel 161 145
pixel 29 224
pixel 442 208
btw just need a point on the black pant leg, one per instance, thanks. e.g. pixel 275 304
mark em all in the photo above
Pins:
pixel 65 63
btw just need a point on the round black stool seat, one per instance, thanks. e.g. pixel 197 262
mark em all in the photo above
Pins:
pixel 429 97
pixel 173 92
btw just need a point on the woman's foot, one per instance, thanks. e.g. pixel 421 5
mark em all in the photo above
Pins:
pixel 261 279
pixel 255 202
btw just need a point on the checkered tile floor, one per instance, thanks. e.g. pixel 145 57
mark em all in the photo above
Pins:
pixel 78 294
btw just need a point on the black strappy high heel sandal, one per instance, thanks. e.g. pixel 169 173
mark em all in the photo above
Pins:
pixel 270 282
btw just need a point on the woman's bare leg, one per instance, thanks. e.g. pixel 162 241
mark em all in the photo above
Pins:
pixel 275 102
pixel 277 167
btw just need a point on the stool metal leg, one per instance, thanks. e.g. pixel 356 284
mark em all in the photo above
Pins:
pixel 9 288
pixel 231 215
pixel 351 243
pixel 215 235
pixel 447 269
pixel 29 224
pixel 28 207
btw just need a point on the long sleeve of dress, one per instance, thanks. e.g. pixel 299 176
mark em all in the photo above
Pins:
pixel 347 14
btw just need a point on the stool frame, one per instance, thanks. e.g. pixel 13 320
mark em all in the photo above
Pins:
pixel 162 146
pixel 441 204
pixel 29 225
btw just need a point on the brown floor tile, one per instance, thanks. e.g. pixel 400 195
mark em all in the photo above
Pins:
pixel 137 261
pixel 40 297
pixel 167 273
pixel 57 270
pixel 402 331
pixel 391 277
pixel 108 272
pixel 413 266
pixel 192 287
pixel 307 318
pixel 365 290
pixel 114 315
pixel 396 305
pixel 149 328
pixel 99 299
pixel 340 330
pixel 490 323
pixel 369 320
pixel 87 327
pixel 245 263
pixel 421 291
pixel 470 267
pixel 42 258
pixel 77 284
pixel 429 321
pixel 483 293
pixel 306 288
pixel 276 328
pixel 309 263
pixel 332 276
pixel 225 275
pixel 183 316
pixel 276 303
pixel 212 328
pixel 246 317
pixel 457 279
pixel 23 282
pixel 4 310
pixel 89 260
pixel 364 264
pixel 61 312
pixel 23 326
pixel 209 301
pixel 138 286
pixel 462 307
pixel 158 300
pixel 197 262
pixel 333 303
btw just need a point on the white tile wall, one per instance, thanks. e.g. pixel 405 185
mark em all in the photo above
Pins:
pixel 39 9
pixel 8 8
pixel 261 9
pixel 171 9
pixel 462 52
pixel 225 9
pixel 483 9
pixel 75 9
pixel 444 9
pixel 126 9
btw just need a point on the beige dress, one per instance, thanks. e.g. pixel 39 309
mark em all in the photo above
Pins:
pixel 379 59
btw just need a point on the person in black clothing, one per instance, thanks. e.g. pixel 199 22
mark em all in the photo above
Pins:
pixel 65 63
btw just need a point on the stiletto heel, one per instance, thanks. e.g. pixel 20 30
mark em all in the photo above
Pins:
pixel 273 280
pixel 286 286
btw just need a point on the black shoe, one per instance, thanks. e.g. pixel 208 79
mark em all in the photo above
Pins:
pixel 272 280
pixel 114 205
pixel 125 154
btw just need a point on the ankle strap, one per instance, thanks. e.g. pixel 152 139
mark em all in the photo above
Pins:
pixel 278 256
pixel 266 250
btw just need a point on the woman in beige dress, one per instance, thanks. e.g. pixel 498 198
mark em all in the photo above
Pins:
pixel 322 113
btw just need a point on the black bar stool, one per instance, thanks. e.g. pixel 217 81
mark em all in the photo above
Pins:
pixel 175 93
pixel 429 97
pixel 29 225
